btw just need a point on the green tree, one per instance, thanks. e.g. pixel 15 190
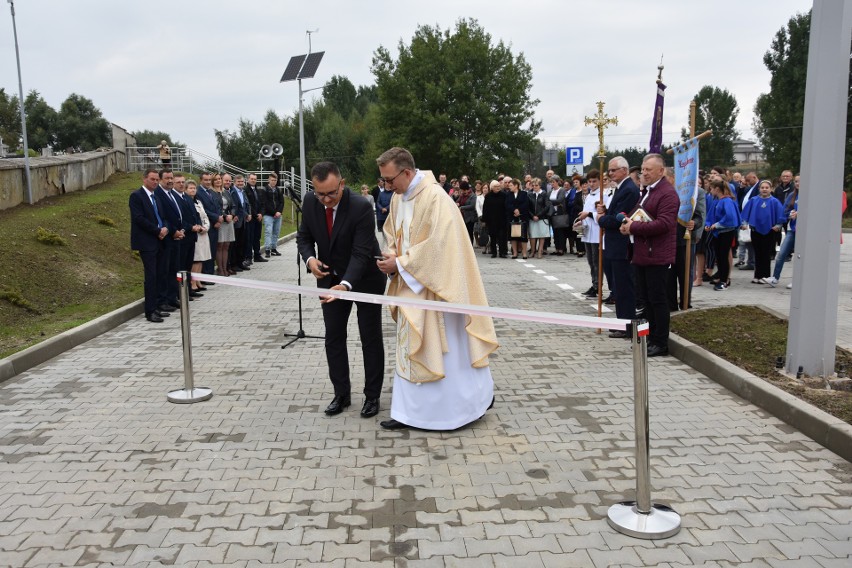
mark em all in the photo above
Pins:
pixel 81 125
pixel 717 110
pixel 340 94
pixel 41 122
pixel 458 101
pixel 779 114
pixel 10 120
pixel 152 138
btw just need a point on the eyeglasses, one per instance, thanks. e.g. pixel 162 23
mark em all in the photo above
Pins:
pixel 390 180
pixel 328 195
pixel 611 170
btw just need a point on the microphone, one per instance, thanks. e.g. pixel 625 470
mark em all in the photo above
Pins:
pixel 621 217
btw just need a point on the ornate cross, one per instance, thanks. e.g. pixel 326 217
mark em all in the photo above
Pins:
pixel 601 121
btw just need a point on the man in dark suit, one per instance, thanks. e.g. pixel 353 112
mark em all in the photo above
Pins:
pixel 337 242
pixel 240 211
pixel 617 248
pixel 255 225
pixel 191 227
pixel 147 231
pixel 170 259
pixel 213 208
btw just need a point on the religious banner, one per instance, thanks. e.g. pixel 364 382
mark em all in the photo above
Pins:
pixel 656 142
pixel 686 178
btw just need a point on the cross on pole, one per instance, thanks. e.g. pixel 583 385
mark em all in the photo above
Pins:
pixel 601 121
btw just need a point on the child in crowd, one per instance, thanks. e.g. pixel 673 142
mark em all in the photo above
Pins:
pixel 723 223
pixel 765 216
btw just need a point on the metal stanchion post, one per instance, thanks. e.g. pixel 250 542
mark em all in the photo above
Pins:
pixel 189 393
pixel 641 518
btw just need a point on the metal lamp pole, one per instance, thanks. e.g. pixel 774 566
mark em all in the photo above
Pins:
pixel 23 114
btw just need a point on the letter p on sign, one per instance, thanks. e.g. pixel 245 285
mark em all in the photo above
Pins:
pixel 574 156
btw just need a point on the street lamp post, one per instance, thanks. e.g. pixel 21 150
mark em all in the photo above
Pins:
pixel 23 114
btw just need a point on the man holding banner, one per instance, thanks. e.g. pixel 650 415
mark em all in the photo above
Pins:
pixel 690 217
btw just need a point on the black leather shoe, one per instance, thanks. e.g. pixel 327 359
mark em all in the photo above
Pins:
pixel 338 403
pixel 166 308
pixel 258 258
pixel 610 301
pixel 196 295
pixel 618 334
pixel 245 266
pixel 275 252
pixel 392 424
pixel 175 305
pixel 237 268
pixel 657 351
pixel 162 314
pixel 154 318
pixel 371 408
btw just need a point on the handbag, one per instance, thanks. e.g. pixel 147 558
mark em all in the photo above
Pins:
pixel 744 235
pixel 560 221
pixel 515 230
pixel 483 238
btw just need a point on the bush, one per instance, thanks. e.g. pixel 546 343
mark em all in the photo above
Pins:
pixel 49 237
pixel 105 221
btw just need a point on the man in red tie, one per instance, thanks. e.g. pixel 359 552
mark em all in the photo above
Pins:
pixel 337 242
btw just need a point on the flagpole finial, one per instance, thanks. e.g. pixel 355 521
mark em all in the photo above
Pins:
pixel 660 70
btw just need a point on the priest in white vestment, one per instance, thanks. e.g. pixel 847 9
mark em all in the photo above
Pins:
pixel 442 380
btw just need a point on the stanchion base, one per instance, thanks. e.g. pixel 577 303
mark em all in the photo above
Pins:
pixel 187 396
pixel 661 522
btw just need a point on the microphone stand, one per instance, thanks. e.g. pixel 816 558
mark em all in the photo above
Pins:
pixel 301 333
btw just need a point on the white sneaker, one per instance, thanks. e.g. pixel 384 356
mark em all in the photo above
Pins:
pixel 790 286
pixel 771 280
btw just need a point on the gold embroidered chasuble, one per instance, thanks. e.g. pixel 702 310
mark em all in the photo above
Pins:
pixel 427 233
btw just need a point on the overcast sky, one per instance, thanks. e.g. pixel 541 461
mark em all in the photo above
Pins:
pixel 188 67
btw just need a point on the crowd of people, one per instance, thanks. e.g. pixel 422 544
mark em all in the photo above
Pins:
pixel 644 265
pixel 213 226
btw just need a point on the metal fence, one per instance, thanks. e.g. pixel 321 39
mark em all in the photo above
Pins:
pixel 192 162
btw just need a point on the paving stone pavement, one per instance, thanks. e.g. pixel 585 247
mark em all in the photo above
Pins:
pixel 98 469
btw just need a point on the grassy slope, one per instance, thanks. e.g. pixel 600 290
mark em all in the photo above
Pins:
pixel 64 286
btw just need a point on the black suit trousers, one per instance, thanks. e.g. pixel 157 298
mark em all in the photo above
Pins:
pixel 150 260
pixel 651 292
pixel 166 270
pixel 623 287
pixel 336 317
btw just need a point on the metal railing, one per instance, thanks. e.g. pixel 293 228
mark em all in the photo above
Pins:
pixel 194 162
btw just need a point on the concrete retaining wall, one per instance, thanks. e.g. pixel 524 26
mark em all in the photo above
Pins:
pixel 56 175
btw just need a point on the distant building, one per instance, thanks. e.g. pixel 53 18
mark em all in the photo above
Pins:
pixel 747 151
pixel 121 138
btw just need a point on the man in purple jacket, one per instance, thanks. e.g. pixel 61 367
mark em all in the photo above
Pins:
pixel 654 248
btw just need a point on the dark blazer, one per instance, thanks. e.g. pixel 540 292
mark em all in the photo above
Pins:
pixel 190 218
pixel 253 196
pixel 238 209
pixel 521 203
pixel 616 245
pixel 539 204
pixel 494 208
pixel 144 230
pixel 213 207
pixel 350 250
pixel 271 201
pixel 172 214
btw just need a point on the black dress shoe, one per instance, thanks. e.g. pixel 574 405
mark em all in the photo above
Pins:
pixel 258 258
pixel 371 408
pixel 657 351
pixel 618 334
pixel 393 424
pixel 275 252
pixel 201 289
pixel 195 294
pixel 245 266
pixel 166 308
pixel 610 300
pixel 237 268
pixel 338 403
pixel 162 314
pixel 208 283
pixel 175 305
pixel 154 318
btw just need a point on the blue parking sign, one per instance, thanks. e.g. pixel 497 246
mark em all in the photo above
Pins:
pixel 574 156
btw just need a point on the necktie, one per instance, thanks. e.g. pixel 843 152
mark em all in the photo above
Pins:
pixel 643 192
pixel 156 212
pixel 180 214
pixel 329 219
